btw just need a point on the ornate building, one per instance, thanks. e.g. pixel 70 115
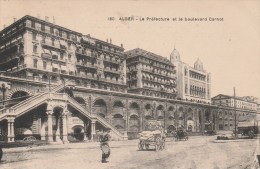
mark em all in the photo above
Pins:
pixel 150 74
pixel 60 85
pixel 193 83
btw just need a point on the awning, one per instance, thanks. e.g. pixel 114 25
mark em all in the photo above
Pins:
pixel 54 53
pixel 63 67
pixel 47 51
pixel 71 69
pixel 63 43
pixel 56 66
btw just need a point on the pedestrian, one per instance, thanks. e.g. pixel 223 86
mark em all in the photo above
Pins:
pixel 105 137
pixel 1 152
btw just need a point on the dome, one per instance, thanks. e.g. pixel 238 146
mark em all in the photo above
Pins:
pixel 175 55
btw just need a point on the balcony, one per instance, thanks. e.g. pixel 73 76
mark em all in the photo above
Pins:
pixel 113 71
pixel 12 45
pixel 51 45
pixel 10 59
pixel 111 61
pixel 87 65
pixel 158 74
pixel 81 53
pixel 16 69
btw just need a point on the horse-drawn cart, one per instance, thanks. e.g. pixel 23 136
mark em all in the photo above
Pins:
pixel 153 136
pixel 181 134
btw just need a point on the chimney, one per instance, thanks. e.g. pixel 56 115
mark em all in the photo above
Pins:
pixel 122 45
pixel 107 40
pixel 14 19
pixel 46 18
pixel 53 20
pixel 110 40
pixel 4 26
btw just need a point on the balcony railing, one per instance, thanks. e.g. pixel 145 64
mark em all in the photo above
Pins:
pixel 13 44
pixel 112 71
pixel 111 60
pixel 51 45
pixel 80 52
pixel 88 65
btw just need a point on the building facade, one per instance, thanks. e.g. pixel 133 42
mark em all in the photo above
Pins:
pixel 150 74
pixel 194 83
pixel 60 85
pixel 244 106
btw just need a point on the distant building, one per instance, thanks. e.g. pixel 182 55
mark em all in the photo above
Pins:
pixel 193 83
pixel 229 101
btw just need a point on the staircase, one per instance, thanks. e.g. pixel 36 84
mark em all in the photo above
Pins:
pixel 22 107
pixel 39 99
pixel 116 134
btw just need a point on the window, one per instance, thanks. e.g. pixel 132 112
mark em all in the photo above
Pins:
pixel 33 24
pixel 43 27
pixel 44 65
pixel 35 48
pixel 35 61
pixel 34 35
pixel 61 56
pixel 52 42
pixel 52 31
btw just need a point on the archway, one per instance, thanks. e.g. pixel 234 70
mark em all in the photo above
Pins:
pixel 19 94
pixel 57 124
pixel 78 133
pixel 100 108
pixel 134 124
pixel 118 107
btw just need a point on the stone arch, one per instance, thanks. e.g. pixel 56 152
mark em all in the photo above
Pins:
pixel 100 107
pixel 171 128
pixel 19 89
pixel 118 103
pixel 134 105
pixel 160 112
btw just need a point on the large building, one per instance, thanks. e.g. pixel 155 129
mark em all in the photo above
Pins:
pixel 61 85
pixel 246 103
pixel 150 74
pixel 245 107
pixel 194 83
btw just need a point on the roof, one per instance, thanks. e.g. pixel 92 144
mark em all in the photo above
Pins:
pixel 150 55
pixel 223 96
pixel 57 26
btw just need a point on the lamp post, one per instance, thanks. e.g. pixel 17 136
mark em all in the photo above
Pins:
pixel 235 112
pixel 3 87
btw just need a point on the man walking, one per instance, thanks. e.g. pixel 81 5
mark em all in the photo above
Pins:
pixel 104 138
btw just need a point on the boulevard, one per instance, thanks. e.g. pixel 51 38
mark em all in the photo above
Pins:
pixel 198 152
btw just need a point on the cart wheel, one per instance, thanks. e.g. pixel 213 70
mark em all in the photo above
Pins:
pixel 146 146
pixel 157 144
pixel 163 145
pixel 140 146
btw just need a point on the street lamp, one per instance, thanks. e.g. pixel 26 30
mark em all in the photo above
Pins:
pixel 4 86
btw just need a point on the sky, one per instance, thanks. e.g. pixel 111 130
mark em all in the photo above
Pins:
pixel 229 49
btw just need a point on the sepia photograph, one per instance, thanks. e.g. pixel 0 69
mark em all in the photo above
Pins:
pixel 132 84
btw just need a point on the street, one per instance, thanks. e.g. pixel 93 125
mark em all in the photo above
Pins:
pixel 198 152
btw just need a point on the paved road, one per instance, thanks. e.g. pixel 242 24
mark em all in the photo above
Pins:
pixel 197 152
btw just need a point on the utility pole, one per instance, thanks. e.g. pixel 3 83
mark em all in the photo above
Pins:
pixel 235 112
